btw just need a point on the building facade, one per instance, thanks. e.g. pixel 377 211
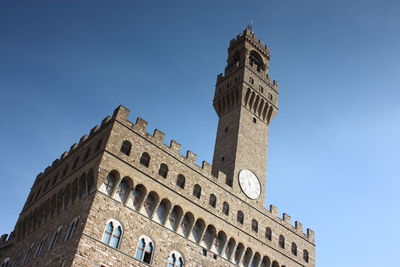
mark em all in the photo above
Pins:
pixel 122 197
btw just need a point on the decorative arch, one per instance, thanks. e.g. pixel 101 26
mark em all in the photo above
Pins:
pixel 175 217
pixel 123 191
pixel 220 243
pixel 186 224
pixel 151 203
pixel 197 231
pixel 109 183
pixel 209 236
pixel 163 211
pixel 138 196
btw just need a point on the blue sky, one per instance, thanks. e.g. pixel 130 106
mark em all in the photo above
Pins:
pixel 334 146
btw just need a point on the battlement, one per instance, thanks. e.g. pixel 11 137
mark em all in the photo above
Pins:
pixel 121 115
pixel 248 34
pixel 190 159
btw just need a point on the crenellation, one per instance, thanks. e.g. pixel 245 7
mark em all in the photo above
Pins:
pixel 64 155
pixel 273 210
pixel 299 227
pixel 121 113
pixel 311 235
pixel 83 139
pixel 191 157
pixel 158 137
pixel 286 218
pixel 206 167
pixel 73 147
pixel 105 121
pixel 175 148
pixel 140 126
pixel 94 130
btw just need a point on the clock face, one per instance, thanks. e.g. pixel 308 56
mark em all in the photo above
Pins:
pixel 249 184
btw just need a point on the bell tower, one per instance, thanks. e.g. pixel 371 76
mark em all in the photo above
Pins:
pixel 246 101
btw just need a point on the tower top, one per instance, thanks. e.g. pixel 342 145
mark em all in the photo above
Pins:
pixel 249 35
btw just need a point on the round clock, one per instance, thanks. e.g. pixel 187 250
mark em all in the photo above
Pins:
pixel 249 184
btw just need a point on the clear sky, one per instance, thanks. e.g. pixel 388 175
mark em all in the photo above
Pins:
pixel 333 160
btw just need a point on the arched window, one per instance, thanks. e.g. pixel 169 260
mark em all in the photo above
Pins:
pixel 5 262
pixel 65 171
pixel 175 259
pixel 197 191
pixel 240 217
pixel 123 190
pixel 86 156
pixel 254 225
pixel 145 159
pixel 213 201
pixel 305 255
pixel 90 182
pixel 145 250
pixel 54 240
pixel 82 186
pixel 109 183
pixel 76 162
pixel 180 181
pixel 225 208
pixel 138 196
pixel 281 241
pixel 112 234
pixel 126 147
pixel 39 248
pixel 268 233
pixel 256 59
pixel 72 228
pixel 163 171
pixel 294 249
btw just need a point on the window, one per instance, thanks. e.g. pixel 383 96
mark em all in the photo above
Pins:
pixel 123 190
pixel 27 256
pixel 86 156
pixel 226 129
pixel 5 262
pixel 65 171
pixel 204 252
pixel 175 259
pixel 254 225
pixel 254 120
pixel 145 249
pixel 109 183
pixel 197 191
pixel 294 249
pixel 213 200
pixel 261 89
pixel 98 146
pixel 281 241
pixel 270 96
pixel 180 181
pixel 72 228
pixel 145 159
pixel 256 59
pixel 225 208
pixel 163 171
pixel 39 248
pixel 305 255
pixel 268 233
pixel 240 217
pixel 54 240
pixel 251 80
pixel 112 234
pixel 126 147
pixel 76 162
pixel 229 181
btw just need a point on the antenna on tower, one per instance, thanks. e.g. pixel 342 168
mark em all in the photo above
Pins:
pixel 250 26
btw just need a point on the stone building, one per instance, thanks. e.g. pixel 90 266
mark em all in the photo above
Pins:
pixel 121 197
